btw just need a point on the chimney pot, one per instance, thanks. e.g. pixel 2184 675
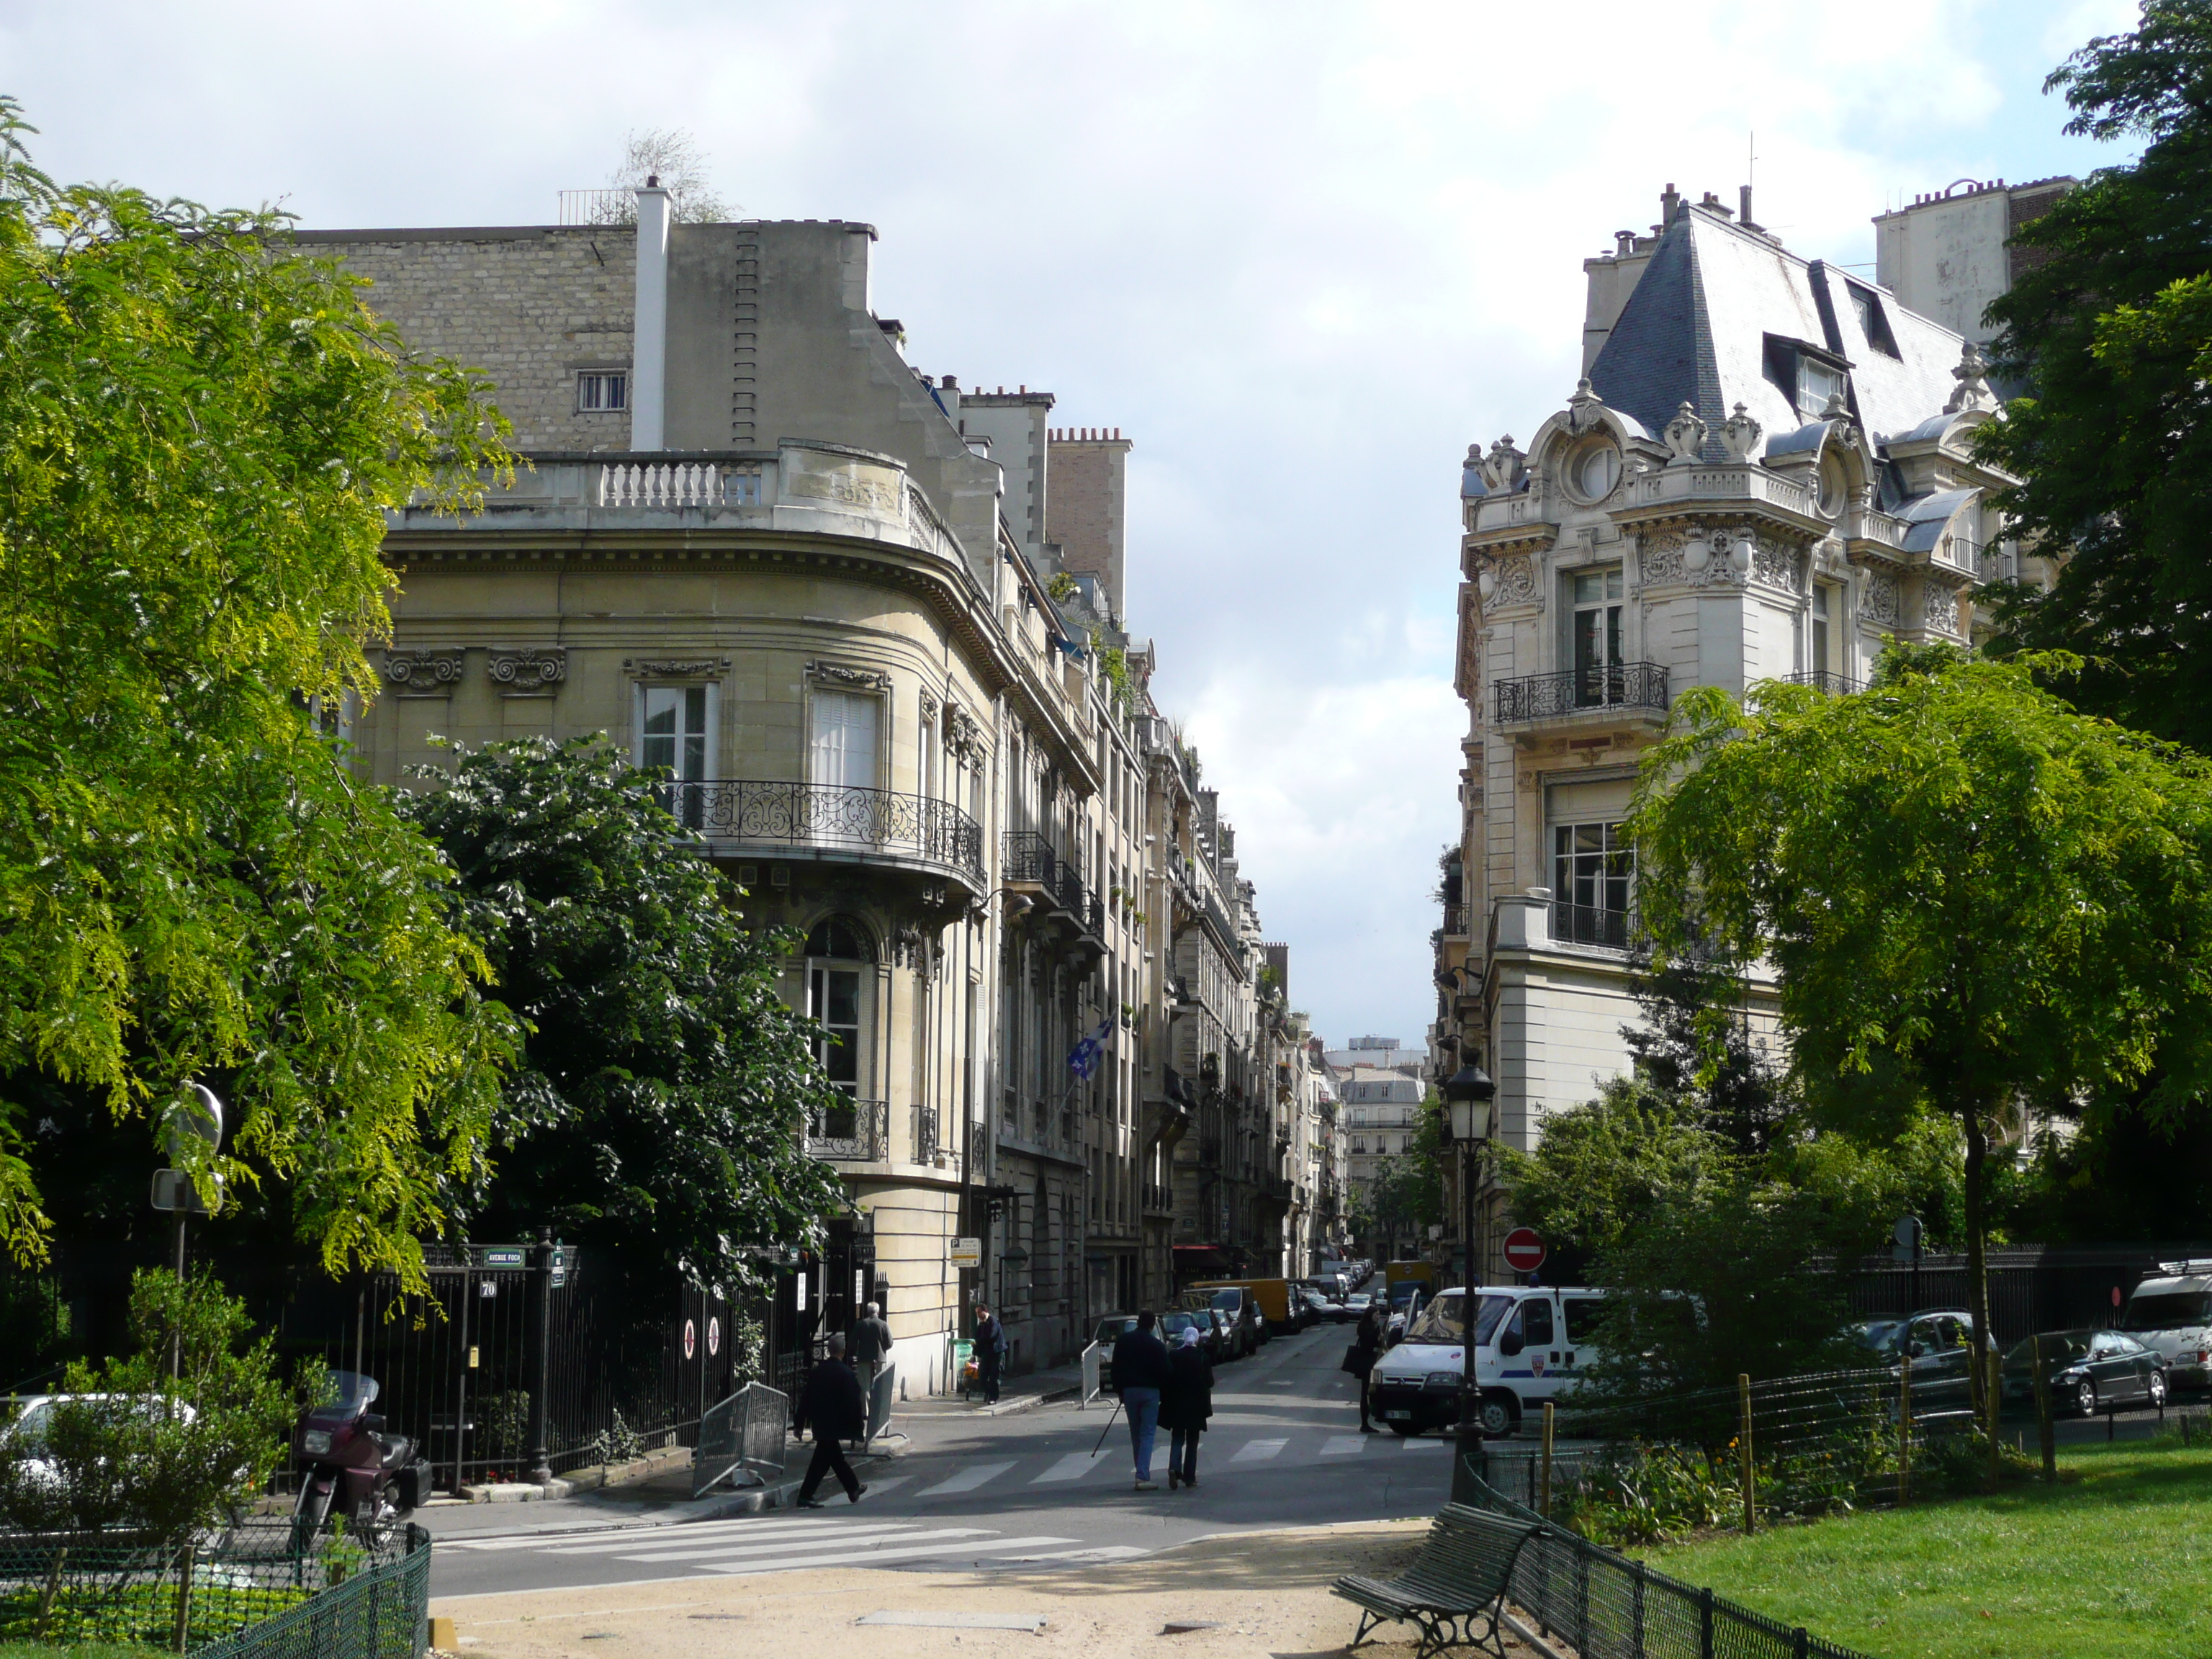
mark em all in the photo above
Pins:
pixel 652 181
pixel 949 383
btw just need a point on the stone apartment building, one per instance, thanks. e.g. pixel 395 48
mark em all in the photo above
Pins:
pixel 1763 474
pixel 768 555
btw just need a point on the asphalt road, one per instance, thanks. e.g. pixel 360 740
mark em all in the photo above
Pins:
pixel 1282 1449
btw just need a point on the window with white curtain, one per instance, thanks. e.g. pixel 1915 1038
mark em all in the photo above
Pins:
pixel 843 746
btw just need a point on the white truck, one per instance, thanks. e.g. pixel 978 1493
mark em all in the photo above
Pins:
pixel 1530 1343
pixel 2171 1312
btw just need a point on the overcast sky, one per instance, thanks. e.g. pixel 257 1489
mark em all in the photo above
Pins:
pixel 1303 254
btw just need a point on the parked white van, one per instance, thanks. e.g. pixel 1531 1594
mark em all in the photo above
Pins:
pixel 1530 1342
pixel 2171 1313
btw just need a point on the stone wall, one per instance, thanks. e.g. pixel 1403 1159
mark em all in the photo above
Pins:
pixel 530 306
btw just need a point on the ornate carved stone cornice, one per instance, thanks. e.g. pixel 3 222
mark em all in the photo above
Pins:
pixel 529 670
pixel 847 678
pixel 424 670
pixel 675 668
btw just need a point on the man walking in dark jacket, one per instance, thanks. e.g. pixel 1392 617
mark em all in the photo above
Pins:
pixel 831 1402
pixel 1360 1360
pixel 871 1346
pixel 1140 1372
pixel 990 1351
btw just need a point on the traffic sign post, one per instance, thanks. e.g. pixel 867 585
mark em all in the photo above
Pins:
pixel 1524 1250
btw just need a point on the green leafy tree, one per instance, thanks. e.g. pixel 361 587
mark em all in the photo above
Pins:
pixel 1971 895
pixel 658 1108
pixel 200 434
pixel 2109 329
pixel 173 1437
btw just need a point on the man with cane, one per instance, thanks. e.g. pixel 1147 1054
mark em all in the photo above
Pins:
pixel 1141 1371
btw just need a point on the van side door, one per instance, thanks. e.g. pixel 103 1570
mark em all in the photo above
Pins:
pixel 1581 1314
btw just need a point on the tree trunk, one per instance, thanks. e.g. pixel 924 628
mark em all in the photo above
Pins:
pixel 1978 1283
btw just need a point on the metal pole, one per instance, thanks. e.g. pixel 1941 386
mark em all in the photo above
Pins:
pixel 1905 1431
pixel 1750 1468
pixel 1468 1439
pixel 541 1357
pixel 461 1377
pixel 2047 1430
pixel 177 1336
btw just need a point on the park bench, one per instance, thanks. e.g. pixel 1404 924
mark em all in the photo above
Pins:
pixel 1457 1581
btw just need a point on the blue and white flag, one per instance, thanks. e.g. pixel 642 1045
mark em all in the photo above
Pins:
pixel 1084 1060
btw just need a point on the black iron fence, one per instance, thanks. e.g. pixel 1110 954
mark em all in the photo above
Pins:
pixel 2032 1287
pixel 623 1368
pixel 1028 858
pixel 1607 685
pixel 830 815
pixel 1607 1606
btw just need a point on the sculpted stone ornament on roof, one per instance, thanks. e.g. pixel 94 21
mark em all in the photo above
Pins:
pixel 1740 434
pixel 1685 435
pixel 1501 467
pixel 1585 410
pixel 1972 391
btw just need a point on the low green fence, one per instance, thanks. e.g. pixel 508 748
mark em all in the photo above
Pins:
pixel 1604 1606
pixel 259 1588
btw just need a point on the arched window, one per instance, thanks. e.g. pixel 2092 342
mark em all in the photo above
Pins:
pixel 834 997
pixel 839 939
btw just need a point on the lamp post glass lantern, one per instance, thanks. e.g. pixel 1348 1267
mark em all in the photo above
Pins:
pixel 1468 1096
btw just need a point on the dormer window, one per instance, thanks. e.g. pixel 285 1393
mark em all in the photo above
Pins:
pixel 1872 323
pixel 1817 382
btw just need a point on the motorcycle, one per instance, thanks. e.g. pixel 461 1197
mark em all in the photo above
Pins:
pixel 375 1478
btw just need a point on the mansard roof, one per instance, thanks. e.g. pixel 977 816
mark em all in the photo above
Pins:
pixel 1716 304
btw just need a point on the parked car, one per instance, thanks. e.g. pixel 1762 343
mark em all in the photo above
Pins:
pixel 2171 1313
pixel 1355 1304
pixel 1327 1309
pixel 1224 1333
pixel 1211 1336
pixel 1938 1343
pixel 2089 1370
pixel 1248 1331
pixel 24 1440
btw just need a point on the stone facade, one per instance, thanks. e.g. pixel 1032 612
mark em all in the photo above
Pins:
pixel 1766 474
pixel 813 606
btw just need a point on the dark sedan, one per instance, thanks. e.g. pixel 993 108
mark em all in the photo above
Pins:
pixel 1211 1336
pixel 2088 1370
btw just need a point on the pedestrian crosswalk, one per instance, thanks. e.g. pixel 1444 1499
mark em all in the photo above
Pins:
pixel 780 1544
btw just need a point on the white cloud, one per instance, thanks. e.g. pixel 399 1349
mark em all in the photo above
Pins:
pixel 1304 253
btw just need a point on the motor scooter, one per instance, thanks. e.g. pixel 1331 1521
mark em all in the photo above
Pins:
pixel 374 1478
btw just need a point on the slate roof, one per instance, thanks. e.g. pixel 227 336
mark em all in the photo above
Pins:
pixel 1697 327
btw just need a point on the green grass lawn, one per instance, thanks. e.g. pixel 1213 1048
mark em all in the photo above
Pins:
pixel 84 1651
pixel 2115 1561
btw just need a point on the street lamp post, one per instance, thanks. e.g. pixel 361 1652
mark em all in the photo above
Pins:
pixel 1468 1096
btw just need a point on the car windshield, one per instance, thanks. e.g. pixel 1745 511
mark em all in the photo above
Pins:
pixel 1229 1301
pixel 1439 1322
pixel 1173 1323
pixel 30 1432
pixel 2059 1348
pixel 1884 1336
pixel 2167 1310
pixel 1111 1328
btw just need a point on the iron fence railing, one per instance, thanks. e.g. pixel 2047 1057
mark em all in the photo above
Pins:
pixel 1836 685
pixel 1593 925
pixel 1159 1201
pixel 859 1130
pixel 263 1586
pixel 1029 857
pixel 926 1146
pixel 1607 1606
pixel 829 816
pixel 1608 685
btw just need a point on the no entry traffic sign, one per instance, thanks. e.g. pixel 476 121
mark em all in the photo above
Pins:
pixel 1524 1251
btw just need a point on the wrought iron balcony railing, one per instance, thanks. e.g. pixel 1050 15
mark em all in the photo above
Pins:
pixel 828 815
pixel 859 1131
pixel 1159 1201
pixel 925 1144
pixel 1611 685
pixel 1028 857
pixel 1836 685
pixel 1592 924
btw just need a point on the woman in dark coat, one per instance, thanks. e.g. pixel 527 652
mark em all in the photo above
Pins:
pixel 1365 1346
pixel 1185 1405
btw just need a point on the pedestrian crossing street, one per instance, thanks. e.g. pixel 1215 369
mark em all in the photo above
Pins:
pixel 799 1543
